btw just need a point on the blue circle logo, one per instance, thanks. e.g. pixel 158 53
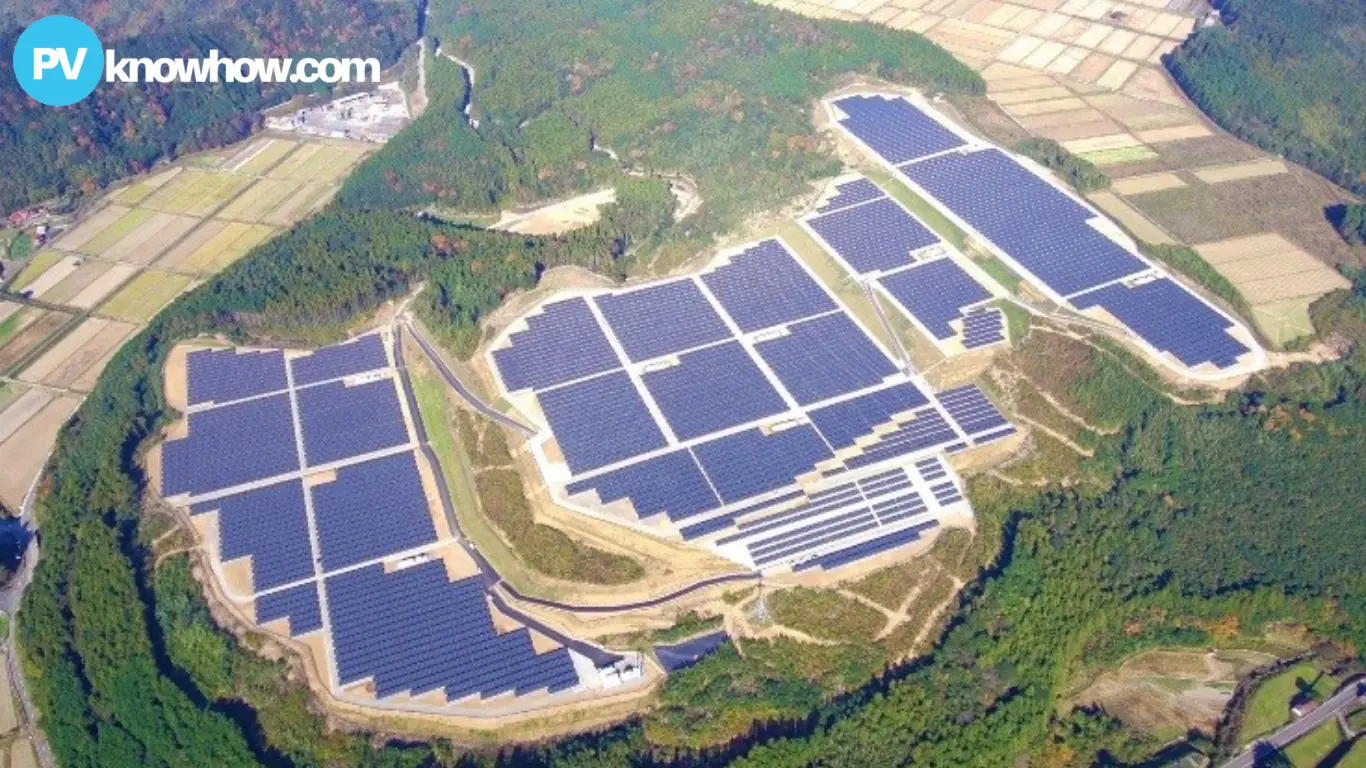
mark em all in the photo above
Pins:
pixel 58 60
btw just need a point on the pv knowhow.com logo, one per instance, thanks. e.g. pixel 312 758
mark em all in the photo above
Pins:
pixel 59 60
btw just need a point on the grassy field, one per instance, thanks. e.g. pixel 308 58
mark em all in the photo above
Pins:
pixel 35 268
pixel 1311 749
pixel 1119 156
pixel 144 296
pixel 999 271
pixel 1356 757
pixel 259 200
pixel 1270 705
pixel 263 160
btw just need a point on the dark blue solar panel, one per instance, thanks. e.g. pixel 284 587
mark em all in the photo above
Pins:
pixel 875 237
pixel 340 422
pixel 270 526
pixel 600 421
pixel 843 496
pixel 935 293
pixel 927 430
pixel 672 484
pixel 894 128
pixel 866 549
pixel 372 510
pixel 298 604
pixel 1171 319
pixel 825 532
pixel 412 630
pixel 843 423
pixel 983 327
pixel 945 493
pixel 889 482
pixel 224 374
pixel 851 193
pixel 662 319
pixel 750 463
pixel 564 342
pixel 971 410
pixel 1028 218
pixel 765 286
pixel 353 357
pixel 712 389
pixel 726 519
pixel 825 357
pixel 231 446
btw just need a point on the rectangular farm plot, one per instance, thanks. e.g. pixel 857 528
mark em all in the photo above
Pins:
pixel 70 359
pixel 259 200
pixel 139 191
pixel 44 281
pixel 119 229
pixel 196 193
pixel 289 167
pixel 142 298
pixel 144 244
pixel 260 156
pixel 78 236
pixel 16 413
pixel 35 326
pixel 104 284
pixel 212 248
pixel 305 198
pixel 23 454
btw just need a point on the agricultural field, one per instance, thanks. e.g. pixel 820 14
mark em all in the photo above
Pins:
pixel 130 255
pixel 1270 705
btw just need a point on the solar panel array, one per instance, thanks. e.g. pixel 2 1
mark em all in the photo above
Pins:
pixel 868 548
pixel 971 410
pixel 851 193
pixel 231 445
pixel 983 327
pixel 600 421
pixel 671 484
pixel 764 286
pixel 927 430
pixel 563 343
pixel 340 422
pixel 712 389
pixel 372 510
pixel 415 631
pixel 270 526
pixel 844 422
pixel 334 362
pixel 223 375
pixel 1041 228
pixel 935 293
pixel 824 357
pixel 1171 319
pixel 749 463
pixel 298 604
pixel 875 237
pixel 662 319
pixel 894 128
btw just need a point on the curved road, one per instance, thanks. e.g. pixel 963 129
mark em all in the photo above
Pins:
pixel 459 387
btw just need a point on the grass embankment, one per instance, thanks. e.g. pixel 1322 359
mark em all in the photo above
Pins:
pixel 826 615
pixel 489 495
pixel 1270 705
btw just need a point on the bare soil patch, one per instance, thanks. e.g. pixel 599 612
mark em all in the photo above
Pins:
pixel 24 453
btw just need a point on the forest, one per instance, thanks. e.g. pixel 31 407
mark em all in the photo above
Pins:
pixel 1191 525
pixel 1287 77
pixel 1083 175
pixel 1350 221
pixel 124 129
pixel 721 92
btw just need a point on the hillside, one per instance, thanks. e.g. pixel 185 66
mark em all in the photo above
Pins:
pixel 1286 77
pixel 120 130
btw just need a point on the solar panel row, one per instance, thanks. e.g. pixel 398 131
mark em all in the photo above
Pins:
pixel 340 422
pixel 946 493
pixel 727 519
pixel 866 549
pixel 927 430
pixel 935 293
pixel 372 510
pixel 600 421
pixel 844 422
pixel 671 484
pixel 749 463
pixel 971 410
pixel 353 357
pixel 229 446
pixel 298 604
pixel 894 128
pixel 270 526
pixel 562 343
pixel 983 328
pixel 1041 228
pixel 840 496
pixel 712 389
pixel 825 357
pixel 662 319
pixel 876 237
pixel 413 630
pixel 1171 319
pixel 764 286
pixel 225 374
pixel 851 193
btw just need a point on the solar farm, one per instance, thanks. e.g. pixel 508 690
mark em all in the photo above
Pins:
pixel 743 409
pixel 303 475
pixel 1063 246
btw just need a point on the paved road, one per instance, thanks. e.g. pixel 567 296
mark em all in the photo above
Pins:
pixel 459 387
pixel 620 607
pixel 10 599
pixel 1348 698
